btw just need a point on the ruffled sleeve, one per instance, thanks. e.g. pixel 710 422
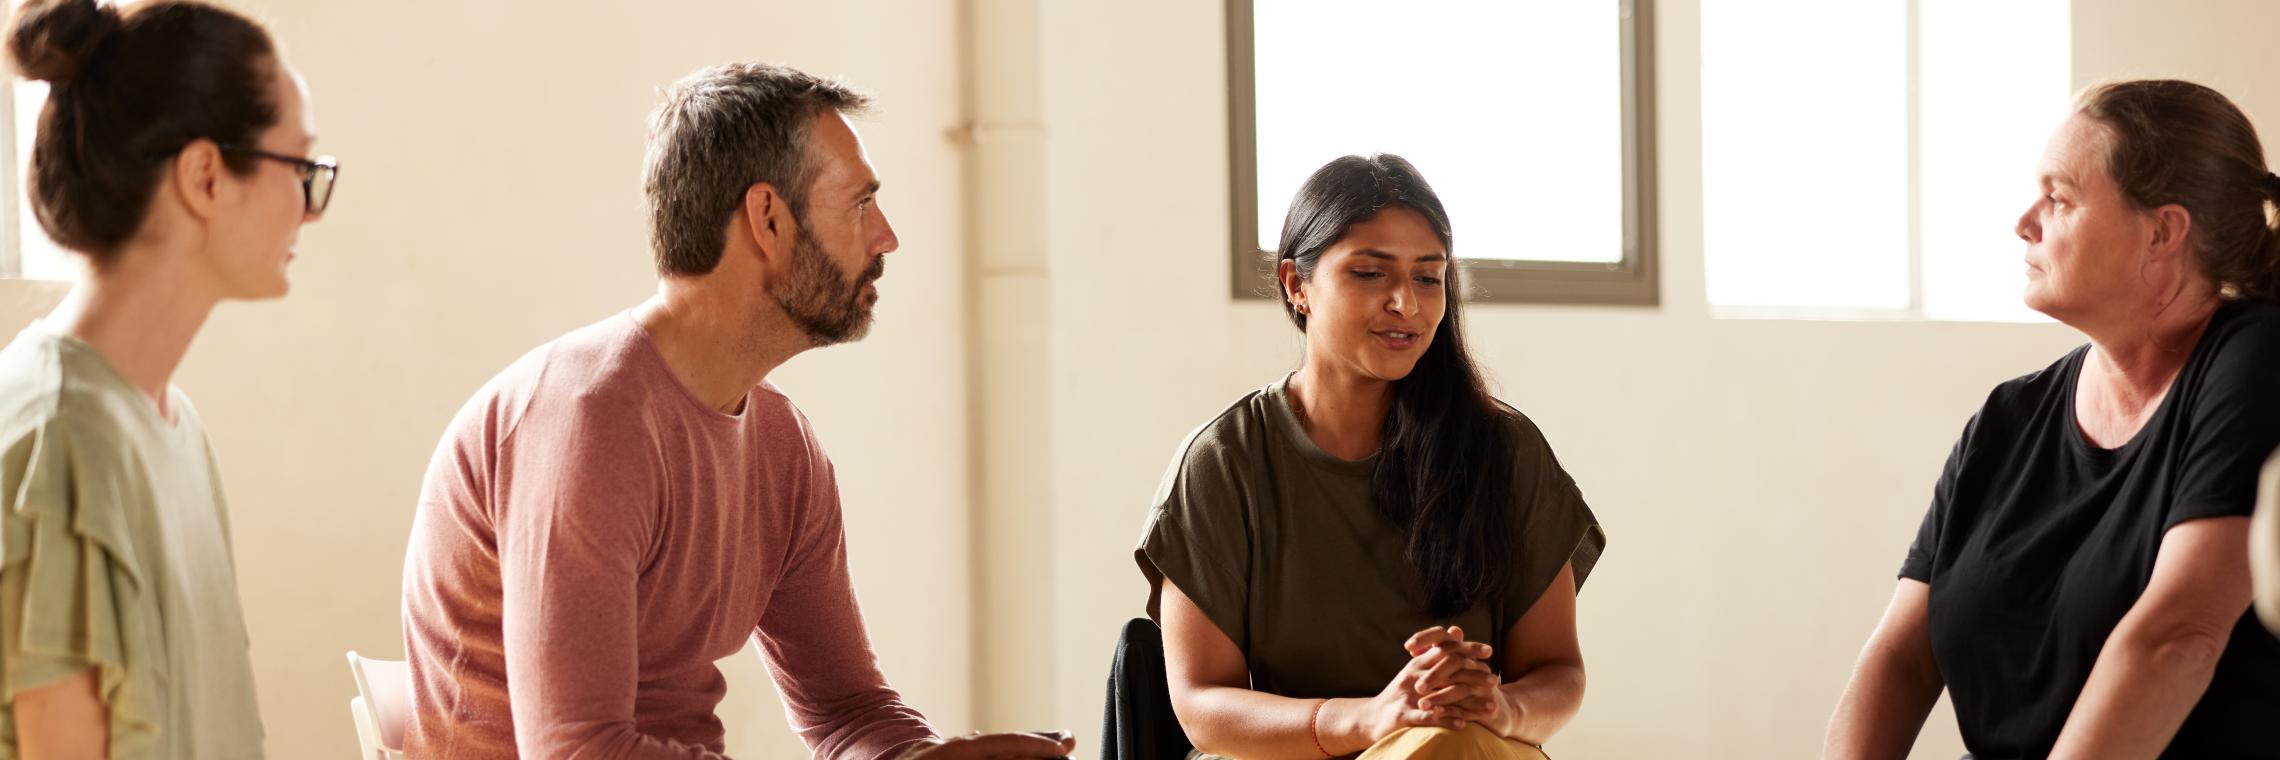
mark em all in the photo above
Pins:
pixel 73 592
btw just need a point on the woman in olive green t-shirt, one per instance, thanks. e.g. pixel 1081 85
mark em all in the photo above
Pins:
pixel 1371 554
pixel 167 157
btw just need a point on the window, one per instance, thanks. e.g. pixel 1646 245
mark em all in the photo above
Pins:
pixel 1884 179
pixel 1531 120
pixel 25 250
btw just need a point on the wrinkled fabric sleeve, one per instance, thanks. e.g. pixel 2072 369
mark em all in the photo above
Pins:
pixel 73 596
pixel 817 649
pixel 578 521
pixel 1198 535
pixel 2234 426
pixel 1556 527
pixel 1917 564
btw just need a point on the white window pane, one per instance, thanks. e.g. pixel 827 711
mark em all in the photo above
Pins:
pixel 1804 153
pixel 1513 111
pixel 1995 79
pixel 41 258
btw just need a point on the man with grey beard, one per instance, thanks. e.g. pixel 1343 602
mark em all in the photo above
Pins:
pixel 623 506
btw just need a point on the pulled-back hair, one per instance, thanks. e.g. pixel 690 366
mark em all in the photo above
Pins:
pixel 2178 142
pixel 127 91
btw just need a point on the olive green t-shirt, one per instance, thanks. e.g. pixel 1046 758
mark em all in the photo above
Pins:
pixel 1282 546
pixel 115 556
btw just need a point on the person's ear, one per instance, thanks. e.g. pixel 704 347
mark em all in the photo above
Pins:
pixel 197 178
pixel 1293 288
pixel 768 221
pixel 2172 226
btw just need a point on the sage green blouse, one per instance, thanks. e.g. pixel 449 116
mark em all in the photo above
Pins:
pixel 115 556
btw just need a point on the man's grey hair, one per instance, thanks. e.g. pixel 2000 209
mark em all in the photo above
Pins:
pixel 720 131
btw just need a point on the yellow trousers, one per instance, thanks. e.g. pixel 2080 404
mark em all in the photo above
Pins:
pixel 1471 743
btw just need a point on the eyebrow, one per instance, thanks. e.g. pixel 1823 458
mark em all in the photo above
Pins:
pixel 1377 254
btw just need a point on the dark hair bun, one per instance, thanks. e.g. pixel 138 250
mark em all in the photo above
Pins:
pixel 50 40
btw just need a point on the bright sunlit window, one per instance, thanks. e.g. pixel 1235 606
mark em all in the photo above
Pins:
pixel 1871 158
pixel 29 253
pixel 1516 112
pixel 1512 111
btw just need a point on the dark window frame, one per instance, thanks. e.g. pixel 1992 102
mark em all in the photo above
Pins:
pixel 1634 281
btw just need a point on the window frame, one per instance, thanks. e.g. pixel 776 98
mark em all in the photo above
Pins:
pixel 1633 281
pixel 1915 261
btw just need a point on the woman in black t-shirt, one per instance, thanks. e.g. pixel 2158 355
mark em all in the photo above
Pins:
pixel 2081 583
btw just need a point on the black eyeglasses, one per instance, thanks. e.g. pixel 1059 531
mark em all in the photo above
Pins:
pixel 317 177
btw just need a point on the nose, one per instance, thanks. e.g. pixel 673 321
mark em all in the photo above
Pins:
pixel 1402 303
pixel 2027 228
pixel 885 241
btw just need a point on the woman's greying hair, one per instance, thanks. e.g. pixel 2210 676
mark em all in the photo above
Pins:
pixel 127 91
pixel 722 130
pixel 2179 142
pixel 1445 459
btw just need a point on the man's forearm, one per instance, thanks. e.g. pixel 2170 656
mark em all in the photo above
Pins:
pixel 881 726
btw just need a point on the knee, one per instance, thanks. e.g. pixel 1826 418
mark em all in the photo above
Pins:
pixel 1425 743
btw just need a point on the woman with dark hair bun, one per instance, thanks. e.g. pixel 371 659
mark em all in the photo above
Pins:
pixel 169 158
pixel 2080 585
pixel 1371 554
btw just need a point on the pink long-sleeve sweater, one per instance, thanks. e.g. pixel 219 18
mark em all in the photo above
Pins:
pixel 591 538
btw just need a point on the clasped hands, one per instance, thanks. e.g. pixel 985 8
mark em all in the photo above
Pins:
pixel 1446 684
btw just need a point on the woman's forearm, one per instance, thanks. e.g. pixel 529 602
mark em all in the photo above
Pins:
pixel 1883 708
pixel 65 720
pixel 1255 725
pixel 2157 663
pixel 2138 695
pixel 1544 699
pixel 1894 685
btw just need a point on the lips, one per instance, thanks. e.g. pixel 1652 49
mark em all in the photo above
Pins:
pixel 1398 340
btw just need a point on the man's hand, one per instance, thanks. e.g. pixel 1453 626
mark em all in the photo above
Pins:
pixel 1048 745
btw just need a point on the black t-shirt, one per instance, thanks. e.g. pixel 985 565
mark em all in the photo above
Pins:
pixel 2038 542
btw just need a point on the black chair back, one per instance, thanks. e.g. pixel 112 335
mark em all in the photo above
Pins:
pixel 1139 724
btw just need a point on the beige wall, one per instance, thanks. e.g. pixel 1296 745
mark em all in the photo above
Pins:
pixel 1056 320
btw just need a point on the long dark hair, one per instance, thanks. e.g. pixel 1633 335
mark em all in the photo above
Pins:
pixel 2179 142
pixel 1444 469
